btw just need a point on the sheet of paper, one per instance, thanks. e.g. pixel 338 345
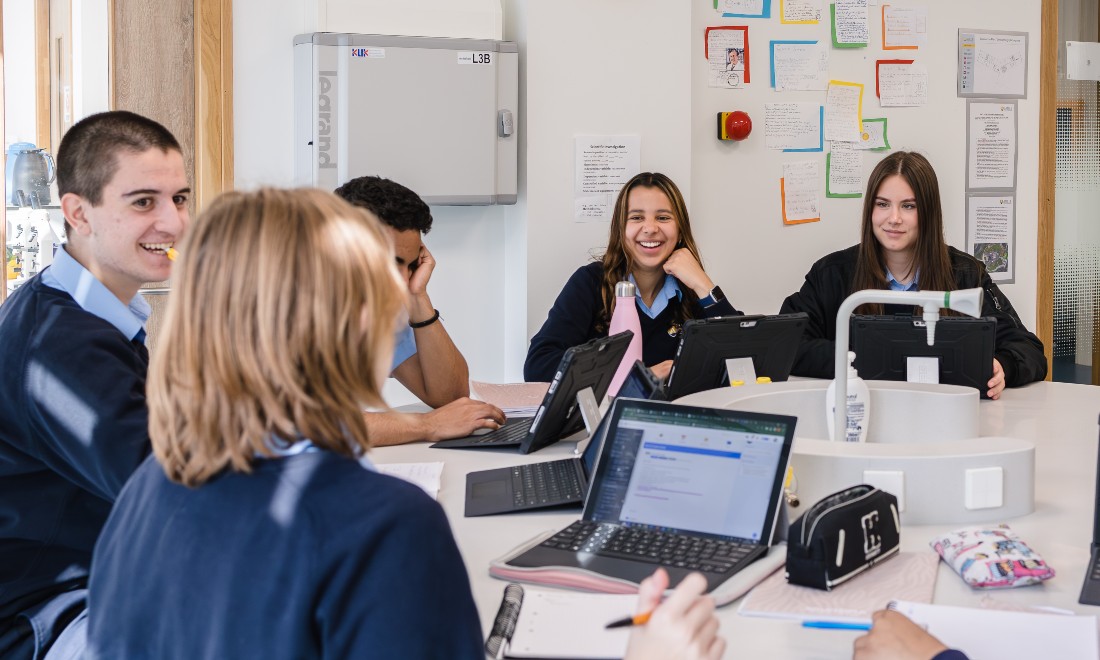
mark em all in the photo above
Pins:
pixel 990 234
pixel 744 8
pixel 874 136
pixel 727 51
pixel 989 633
pixel 799 65
pixel 843 111
pixel 562 624
pixel 799 12
pixel 904 27
pixel 425 475
pixel 512 398
pixel 792 125
pixel 843 171
pixel 800 189
pixel 849 23
pixel 993 64
pixel 603 164
pixel 909 575
pixel 991 144
pixel 902 85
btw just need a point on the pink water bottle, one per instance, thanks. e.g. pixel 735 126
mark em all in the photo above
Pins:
pixel 625 317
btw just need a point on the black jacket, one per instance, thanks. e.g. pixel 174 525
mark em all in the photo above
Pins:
pixel 574 318
pixel 829 282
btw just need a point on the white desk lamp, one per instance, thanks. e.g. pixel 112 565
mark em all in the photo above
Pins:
pixel 967 301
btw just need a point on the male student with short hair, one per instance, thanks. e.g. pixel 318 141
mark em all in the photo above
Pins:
pixel 73 420
pixel 426 361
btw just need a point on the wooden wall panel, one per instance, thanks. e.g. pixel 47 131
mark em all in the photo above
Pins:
pixel 1048 102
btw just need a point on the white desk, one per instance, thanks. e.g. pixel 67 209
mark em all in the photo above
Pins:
pixel 1060 418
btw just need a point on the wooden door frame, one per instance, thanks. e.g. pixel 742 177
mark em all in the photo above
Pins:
pixel 1048 110
pixel 213 156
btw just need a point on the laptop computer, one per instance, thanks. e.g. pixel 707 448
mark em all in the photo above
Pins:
pixel 705 345
pixel 683 487
pixel 552 483
pixel 534 485
pixel 895 347
pixel 1090 590
pixel 590 365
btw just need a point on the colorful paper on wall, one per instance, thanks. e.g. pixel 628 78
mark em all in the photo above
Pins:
pixel 873 137
pixel 799 65
pixel 744 8
pixel 901 85
pixel 799 12
pixel 904 28
pixel 727 53
pixel 843 171
pixel 799 192
pixel 849 23
pixel 843 111
pixel 793 126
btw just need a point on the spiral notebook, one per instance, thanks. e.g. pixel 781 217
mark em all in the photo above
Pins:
pixel 537 623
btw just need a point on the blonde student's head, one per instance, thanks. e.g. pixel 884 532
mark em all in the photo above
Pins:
pixel 280 327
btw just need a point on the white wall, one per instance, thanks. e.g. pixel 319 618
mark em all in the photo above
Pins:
pixel 735 186
pixel 469 285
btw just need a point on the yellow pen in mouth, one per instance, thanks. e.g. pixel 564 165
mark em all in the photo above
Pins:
pixel 172 253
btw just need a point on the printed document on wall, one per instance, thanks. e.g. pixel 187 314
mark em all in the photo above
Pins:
pixel 991 233
pixel 603 165
pixel 843 111
pixel 902 85
pixel 904 27
pixel 991 137
pixel 993 63
pixel 800 66
pixel 799 12
pixel 800 192
pixel 792 125
pixel 843 171
pixel 727 51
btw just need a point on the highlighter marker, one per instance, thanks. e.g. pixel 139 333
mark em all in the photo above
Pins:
pixel 836 625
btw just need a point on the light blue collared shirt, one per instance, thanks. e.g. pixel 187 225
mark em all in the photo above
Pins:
pixel 669 290
pixel 895 285
pixel 404 346
pixel 66 274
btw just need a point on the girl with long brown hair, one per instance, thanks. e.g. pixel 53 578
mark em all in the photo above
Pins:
pixel 651 244
pixel 902 248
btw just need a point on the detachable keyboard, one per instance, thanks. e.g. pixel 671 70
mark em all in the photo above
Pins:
pixel 546 484
pixel 689 552
pixel 510 435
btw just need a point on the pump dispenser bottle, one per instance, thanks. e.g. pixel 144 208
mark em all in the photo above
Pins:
pixel 625 317
pixel 859 405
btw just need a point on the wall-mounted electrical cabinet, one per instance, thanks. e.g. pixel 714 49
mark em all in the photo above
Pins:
pixel 436 115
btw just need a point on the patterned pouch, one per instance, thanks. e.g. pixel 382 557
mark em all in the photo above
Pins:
pixel 990 558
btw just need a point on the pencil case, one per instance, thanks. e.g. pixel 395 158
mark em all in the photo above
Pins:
pixel 991 558
pixel 841 536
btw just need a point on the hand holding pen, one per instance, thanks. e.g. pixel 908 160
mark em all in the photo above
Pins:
pixel 683 626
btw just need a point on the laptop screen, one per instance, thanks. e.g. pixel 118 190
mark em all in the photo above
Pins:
pixel 677 468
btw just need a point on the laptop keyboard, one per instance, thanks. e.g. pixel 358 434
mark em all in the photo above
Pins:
pixel 508 434
pixel 546 483
pixel 664 548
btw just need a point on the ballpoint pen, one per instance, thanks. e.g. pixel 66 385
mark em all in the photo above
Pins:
pixel 636 620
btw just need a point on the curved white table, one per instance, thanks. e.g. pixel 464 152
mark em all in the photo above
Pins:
pixel 1060 418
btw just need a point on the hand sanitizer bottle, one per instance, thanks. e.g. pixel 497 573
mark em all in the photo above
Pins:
pixel 859 405
pixel 625 317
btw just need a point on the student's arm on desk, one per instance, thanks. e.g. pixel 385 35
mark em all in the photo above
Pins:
pixel 894 637
pixel 457 419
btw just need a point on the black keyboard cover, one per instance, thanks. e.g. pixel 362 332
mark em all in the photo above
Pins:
pixel 546 484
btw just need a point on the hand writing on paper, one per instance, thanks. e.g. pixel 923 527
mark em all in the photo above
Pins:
pixel 682 627
pixel 997 382
pixel 460 418
pixel 662 369
pixel 894 637
pixel 683 265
